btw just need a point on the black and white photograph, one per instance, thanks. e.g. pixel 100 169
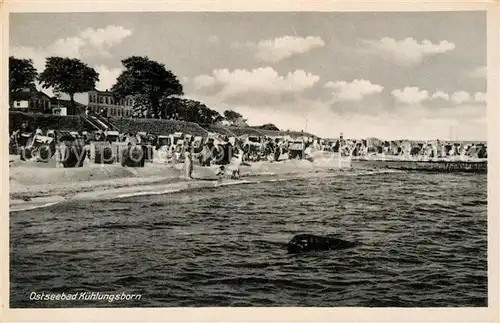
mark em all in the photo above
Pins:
pixel 205 159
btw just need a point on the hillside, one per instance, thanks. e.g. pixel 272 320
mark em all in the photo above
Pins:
pixel 47 121
pixel 78 123
pixel 159 127
pixel 238 131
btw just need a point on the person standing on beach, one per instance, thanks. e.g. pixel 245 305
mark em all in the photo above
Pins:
pixel 277 151
pixel 188 164
pixel 234 165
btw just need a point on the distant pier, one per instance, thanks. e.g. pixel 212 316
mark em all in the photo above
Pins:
pixel 437 166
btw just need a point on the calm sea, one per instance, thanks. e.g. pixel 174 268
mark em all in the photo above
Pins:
pixel 423 243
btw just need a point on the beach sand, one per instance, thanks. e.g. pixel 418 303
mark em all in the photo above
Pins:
pixel 35 184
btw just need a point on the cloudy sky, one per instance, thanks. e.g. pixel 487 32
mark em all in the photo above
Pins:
pixel 388 75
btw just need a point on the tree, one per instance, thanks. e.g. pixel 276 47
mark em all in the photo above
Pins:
pixel 231 115
pixel 22 74
pixel 68 75
pixel 188 110
pixel 235 118
pixel 141 104
pixel 268 126
pixel 146 77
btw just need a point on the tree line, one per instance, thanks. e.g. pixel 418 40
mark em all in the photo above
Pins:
pixel 156 90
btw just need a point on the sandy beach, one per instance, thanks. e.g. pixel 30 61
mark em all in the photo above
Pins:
pixel 34 185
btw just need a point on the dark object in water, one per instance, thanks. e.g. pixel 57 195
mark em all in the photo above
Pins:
pixel 310 242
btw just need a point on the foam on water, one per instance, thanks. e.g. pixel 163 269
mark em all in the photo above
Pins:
pixel 168 191
pixel 171 188
pixel 19 208
pixel 222 246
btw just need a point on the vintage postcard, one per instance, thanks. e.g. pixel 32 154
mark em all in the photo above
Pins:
pixel 267 161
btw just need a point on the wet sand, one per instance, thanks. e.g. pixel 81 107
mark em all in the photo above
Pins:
pixel 34 185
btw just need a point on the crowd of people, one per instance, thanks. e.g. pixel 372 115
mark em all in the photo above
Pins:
pixel 402 148
pixel 217 149
pixel 211 149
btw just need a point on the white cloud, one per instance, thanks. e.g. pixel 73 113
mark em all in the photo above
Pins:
pixel 460 97
pixel 441 95
pixel 277 49
pixel 326 120
pixel 90 42
pixel 259 80
pixel 410 95
pixel 353 91
pixel 107 77
pixel 480 97
pixel 102 39
pixel 478 72
pixel 213 39
pixel 468 121
pixel 38 56
pixel 66 47
pixel 408 51
pixel 202 81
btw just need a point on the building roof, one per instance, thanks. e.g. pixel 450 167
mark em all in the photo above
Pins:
pixel 65 102
pixel 107 92
pixel 111 94
pixel 102 92
pixel 26 95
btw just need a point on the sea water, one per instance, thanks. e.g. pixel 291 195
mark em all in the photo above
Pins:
pixel 423 243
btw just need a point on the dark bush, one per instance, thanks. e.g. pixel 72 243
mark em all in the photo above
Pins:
pixel 268 126
pixel 157 126
pixel 127 125
pixel 47 121
pixel 220 130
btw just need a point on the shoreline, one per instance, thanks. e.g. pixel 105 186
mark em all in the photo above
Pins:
pixel 94 181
